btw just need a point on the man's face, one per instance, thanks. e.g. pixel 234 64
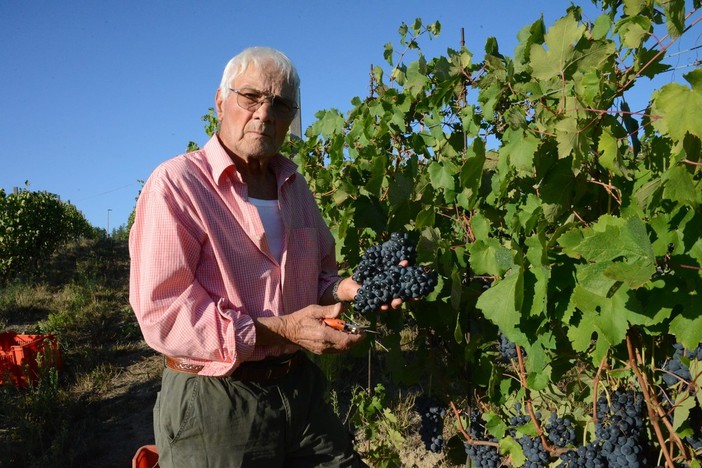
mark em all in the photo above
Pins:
pixel 258 133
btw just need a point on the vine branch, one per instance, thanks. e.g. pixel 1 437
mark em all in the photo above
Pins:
pixel 465 434
pixel 595 385
pixel 539 430
pixel 652 414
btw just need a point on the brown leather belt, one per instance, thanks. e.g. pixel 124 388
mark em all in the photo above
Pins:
pixel 266 369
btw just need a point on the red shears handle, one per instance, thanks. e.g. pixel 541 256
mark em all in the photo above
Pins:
pixel 336 323
pixel 341 325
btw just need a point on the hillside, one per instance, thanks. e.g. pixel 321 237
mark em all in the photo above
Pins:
pixel 98 411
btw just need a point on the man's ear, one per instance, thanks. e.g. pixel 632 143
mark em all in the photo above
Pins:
pixel 219 103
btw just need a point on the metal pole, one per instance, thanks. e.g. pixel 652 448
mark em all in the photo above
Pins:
pixel 108 221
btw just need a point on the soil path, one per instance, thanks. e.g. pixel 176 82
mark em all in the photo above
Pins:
pixel 125 422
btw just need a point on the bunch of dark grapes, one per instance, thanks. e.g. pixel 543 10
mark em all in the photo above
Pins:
pixel 383 279
pixel 620 429
pixel 561 431
pixel 519 419
pixel 534 450
pixel 378 258
pixel 676 370
pixel 432 427
pixel 585 456
pixel 508 350
pixel 483 456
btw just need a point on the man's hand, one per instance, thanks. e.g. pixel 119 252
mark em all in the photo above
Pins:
pixel 306 328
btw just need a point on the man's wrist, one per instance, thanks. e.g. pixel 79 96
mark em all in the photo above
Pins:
pixel 335 292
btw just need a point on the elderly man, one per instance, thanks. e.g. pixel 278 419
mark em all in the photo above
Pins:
pixel 233 272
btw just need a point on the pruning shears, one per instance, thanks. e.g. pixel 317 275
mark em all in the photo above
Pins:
pixel 348 327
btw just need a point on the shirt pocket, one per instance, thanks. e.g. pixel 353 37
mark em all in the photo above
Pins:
pixel 302 265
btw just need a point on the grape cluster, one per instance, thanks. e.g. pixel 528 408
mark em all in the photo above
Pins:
pixel 620 429
pixel 620 434
pixel 483 456
pixel 432 427
pixel 561 431
pixel 382 279
pixel 519 419
pixel 585 456
pixel 508 350
pixel 378 258
pixel 676 370
pixel 533 449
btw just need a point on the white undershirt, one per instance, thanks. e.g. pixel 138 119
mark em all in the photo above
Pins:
pixel 269 211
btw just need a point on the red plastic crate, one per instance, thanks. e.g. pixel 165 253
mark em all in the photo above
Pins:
pixel 22 355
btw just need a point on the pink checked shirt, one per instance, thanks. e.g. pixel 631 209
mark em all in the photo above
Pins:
pixel 201 267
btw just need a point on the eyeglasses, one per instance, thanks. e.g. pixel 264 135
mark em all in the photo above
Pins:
pixel 251 99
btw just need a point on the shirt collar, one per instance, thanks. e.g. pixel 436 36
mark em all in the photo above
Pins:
pixel 220 162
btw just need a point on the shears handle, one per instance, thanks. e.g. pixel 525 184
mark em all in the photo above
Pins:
pixel 342 325
pixel 336 323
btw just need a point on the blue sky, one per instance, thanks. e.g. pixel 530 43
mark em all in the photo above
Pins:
pixel 95 94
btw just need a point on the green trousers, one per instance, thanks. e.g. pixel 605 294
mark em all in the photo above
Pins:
pixel 224 423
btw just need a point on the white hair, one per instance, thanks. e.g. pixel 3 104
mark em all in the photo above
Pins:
pixel 259 56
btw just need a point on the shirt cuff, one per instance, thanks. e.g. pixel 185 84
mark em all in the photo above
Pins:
pixel 240 339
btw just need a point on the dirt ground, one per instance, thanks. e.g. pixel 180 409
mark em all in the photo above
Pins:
pixel 125 422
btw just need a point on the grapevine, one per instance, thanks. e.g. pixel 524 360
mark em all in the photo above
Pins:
pixel 33 226
pixel 560 217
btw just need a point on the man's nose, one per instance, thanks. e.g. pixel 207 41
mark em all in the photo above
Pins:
pixel 265 108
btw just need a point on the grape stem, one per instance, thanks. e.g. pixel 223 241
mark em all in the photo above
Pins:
pixel 522 378
pixel 595 385
pixel 658 409
pixel 689 267
pixel 648 398
pixel 467 436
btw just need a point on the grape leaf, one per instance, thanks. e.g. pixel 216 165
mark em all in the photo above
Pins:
pixel 512 448
pixel 634 7
pixel 570 140
pixel 489 257
pixel 328 122
pixel 633 30
pixel 611 238
pixel 602 25
pixel 502 303
pixel 494 424
pixel 687 326
pixel 609 149
pixel 679 186
pixel 520 147
pixel 683 405
pixel 679 109
pixel 441 174
pixel 559 40
pixel 695 79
